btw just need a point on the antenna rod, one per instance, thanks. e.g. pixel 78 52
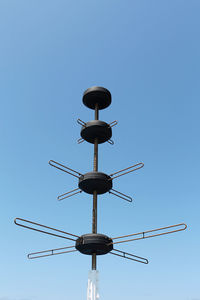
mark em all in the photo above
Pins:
pixel 94 211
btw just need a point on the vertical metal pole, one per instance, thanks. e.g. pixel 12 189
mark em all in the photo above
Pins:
pixel 94 211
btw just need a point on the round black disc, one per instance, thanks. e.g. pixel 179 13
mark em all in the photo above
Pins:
pixel 94 243
pixel 97 95
pixel 96 130
pixel 95 181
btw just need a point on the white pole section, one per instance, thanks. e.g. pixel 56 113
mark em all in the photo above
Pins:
pixel 93 285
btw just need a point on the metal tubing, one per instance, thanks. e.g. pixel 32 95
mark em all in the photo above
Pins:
pixel 94 261
pixel 55 164
pixel 50 252
pixel 130 256
pixel 47 232
pixel 144 234
pixel 110 142
pixel 134 168
pixel 113 123
pixel 94 210
pixel 82 123
pixel 94 213
pixel 81 140
pixel 96 112
pixel 121 195
pixel 69 194
pixel 95 155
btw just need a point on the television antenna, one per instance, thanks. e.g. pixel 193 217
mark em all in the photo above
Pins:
pixel 95 183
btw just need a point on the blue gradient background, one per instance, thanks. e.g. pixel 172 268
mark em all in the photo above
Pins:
pixel 147 54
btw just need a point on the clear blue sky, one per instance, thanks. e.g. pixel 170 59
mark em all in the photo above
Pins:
pixel 147 54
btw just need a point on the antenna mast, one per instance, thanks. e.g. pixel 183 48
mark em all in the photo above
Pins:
pixel 94 183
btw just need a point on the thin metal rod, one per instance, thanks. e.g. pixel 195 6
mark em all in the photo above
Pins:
pixel 50 233
pixel 82 123
pixel 94 261
pixel 50 252
pixel 111 142
pixel 121 195
pixel 69 194
pixel 144 234
pixel 112 124
pixel 56 165
pixel 130 256
pixel 80 140
pixel 134 167
pixel 96 112
pixel 95 168
pixel 94 210
pixel 94 213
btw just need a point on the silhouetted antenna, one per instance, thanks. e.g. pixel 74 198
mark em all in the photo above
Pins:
pixel 95 183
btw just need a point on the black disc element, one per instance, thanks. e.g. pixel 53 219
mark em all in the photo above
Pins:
pixel 97 95
pixel 94 243
pixel 96 130
pixel 95 181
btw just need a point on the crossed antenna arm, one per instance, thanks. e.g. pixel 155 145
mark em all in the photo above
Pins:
pixel 150 233
pixel 65 169
pixel 83 124
pixel 120 195
pixel 70 172
pixel 121 173
pixel 129 256
pixel 63 250
pixel 51 252
pixel 45 229
pixel 69 194
pixel 77 175
pixel 126 170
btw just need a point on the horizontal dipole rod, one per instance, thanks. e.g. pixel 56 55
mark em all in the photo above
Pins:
pixel 47 227
pixel 50 252
pixel 64 168
pixel 80 140
pixel 111 142
pixel 129 256
pixel 121 195
pixel 81 122
pixel 113 123
pixel 131 169
pixel 69 194
pixel 144 234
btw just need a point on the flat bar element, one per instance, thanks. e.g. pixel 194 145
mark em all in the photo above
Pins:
pixel 46 232
pixel 129 256
pixel 64 168
pixel 69 194
pixel 131 169
pixel 121 195
pixel 144 234
pixel 50 252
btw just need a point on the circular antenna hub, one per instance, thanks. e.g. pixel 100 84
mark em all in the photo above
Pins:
pixel 97 95
pixel 94 243
pixel 96 130
pixel 95 181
